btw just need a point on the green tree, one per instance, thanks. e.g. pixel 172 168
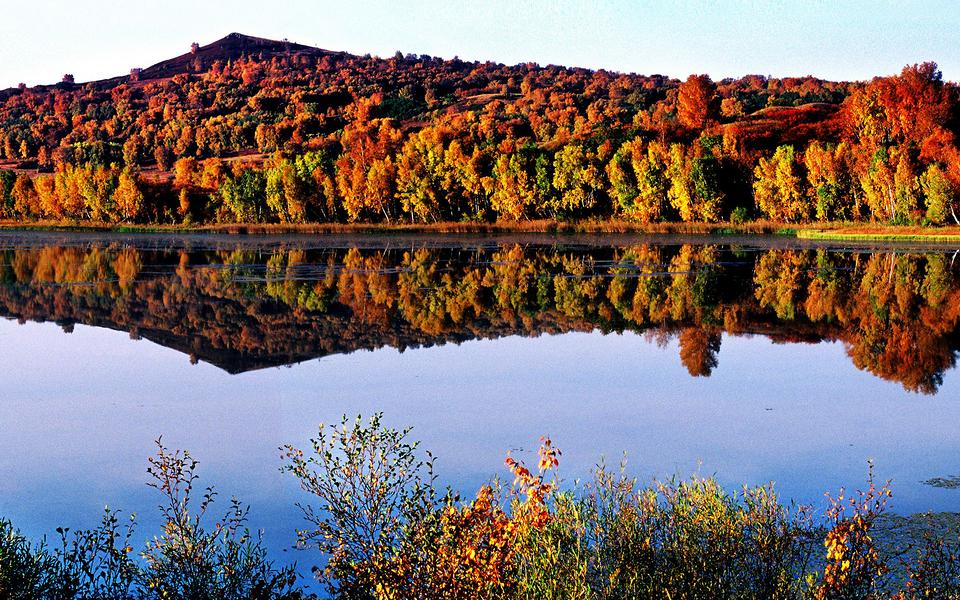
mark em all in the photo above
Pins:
pixel 638 181
pixel 7 179
pixel 694 190
pixel 939 195
pixel 244 196
pixel 287 192
pixel 577 180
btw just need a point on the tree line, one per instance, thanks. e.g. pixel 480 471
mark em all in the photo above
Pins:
pixel 297 139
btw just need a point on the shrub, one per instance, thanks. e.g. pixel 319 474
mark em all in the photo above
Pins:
pixel 739 215
pixel 386 533
pixel 186 561
pixel 372 486
pixel 97 563
pixel 189 561
pixel 853 563
pixel 26 572
pixel 934 571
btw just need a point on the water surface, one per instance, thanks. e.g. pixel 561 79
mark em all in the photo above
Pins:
pixel 749 360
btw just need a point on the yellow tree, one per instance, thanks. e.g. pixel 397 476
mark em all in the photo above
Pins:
pixel 828 173
pixel 777 187
pixel 96 187
pixel 521 184
pixel 577 180
pixel 420 173
pixel 381 180
pixel 128 198
pixel 287 190
pixel 463 180
pixel 939 195
pixel 694 187
pixel 906 186
pixel 877 186
pixel 681 192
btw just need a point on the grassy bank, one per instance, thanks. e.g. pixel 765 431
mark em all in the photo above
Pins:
pixel 535 226
pixel 824 232
pixel 380 529
pixel 889 233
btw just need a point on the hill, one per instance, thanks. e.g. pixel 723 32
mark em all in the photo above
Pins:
pixel 248 129
pixel 234 46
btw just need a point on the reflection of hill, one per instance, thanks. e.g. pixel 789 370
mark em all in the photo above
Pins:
pixel 258 334
pixel 252 308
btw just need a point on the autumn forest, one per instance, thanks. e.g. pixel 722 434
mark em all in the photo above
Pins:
pixel 248 130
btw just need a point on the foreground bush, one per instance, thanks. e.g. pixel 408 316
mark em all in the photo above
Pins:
pixel 384 531
pixel 389 534
pixel 187 561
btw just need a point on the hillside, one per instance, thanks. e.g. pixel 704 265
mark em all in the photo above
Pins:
pixel 248 129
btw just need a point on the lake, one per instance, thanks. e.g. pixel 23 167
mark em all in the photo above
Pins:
pixel 750 359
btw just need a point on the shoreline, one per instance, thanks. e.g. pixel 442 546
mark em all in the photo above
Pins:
pixel 502 227
pixel 838 232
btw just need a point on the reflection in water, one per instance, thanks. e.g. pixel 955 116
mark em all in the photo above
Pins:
pixel 949 483
pixel 243 306
pixel 79 412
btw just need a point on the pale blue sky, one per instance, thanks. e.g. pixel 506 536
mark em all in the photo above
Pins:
pixel 42 39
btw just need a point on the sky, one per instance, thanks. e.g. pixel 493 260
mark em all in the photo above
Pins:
pixel 41 40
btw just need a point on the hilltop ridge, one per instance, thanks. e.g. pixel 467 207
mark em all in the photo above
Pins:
pixel 232 46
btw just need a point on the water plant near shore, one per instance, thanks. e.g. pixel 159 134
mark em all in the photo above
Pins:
pixel 610 538
pixel 383 530
pixel 188 560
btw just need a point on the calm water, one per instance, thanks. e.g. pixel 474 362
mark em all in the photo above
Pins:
pixel 754 361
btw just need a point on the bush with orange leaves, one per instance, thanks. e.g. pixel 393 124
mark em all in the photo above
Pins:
pixel 389 535
pixel 853 564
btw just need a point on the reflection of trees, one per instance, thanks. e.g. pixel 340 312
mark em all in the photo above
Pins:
pixel 698 350
pixel 897 313
pixel 244 308
pixel 906 318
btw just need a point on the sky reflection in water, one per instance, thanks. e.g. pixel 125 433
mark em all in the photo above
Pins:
pixel 80 411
